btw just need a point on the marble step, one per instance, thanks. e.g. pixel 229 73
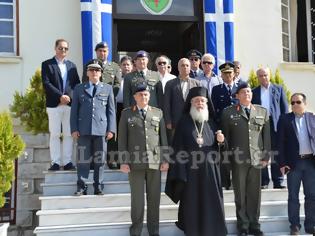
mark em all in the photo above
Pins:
pixel 123 199
pixel 71 176
pixel 272 226
pixel 121 214
pixel 68 188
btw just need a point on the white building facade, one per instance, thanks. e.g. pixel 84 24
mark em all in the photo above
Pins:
pixel 264 35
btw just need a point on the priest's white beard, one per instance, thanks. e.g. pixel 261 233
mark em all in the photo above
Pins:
pixel 199 116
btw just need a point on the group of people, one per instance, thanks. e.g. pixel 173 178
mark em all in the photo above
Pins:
pixel 197 126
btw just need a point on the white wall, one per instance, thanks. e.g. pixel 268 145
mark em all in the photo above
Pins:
pixel 258 34
pixel 41 23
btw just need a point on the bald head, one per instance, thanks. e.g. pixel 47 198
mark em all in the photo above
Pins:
pixel 183 68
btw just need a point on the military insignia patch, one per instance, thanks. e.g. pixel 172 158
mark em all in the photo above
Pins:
pixel 156 7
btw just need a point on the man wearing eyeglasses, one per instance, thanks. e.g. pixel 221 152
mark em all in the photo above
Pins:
pixel 93 124
pixel 162 62
pixel 194 57
pixel 59 77
pixel 273 98
pixel 297 159
pixel 208 78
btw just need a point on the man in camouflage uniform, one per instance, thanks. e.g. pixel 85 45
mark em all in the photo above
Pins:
pixel 143 150
pixel 111 70
pixel 247 130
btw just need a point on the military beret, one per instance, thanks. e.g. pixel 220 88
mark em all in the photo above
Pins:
pixel 242 86
pixel 142 53
pixel 226 67
pixel 194 53
pixel 101 45
pixel 142 86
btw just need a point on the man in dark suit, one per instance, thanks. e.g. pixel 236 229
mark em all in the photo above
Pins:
pixel 296 133
pixel 273 98
pixel 176 91
pixel 222 96
pixel 93 123
pixel 247 131
pixel 140 75
pixel 111 71
pixel 59 77
pixel 142 138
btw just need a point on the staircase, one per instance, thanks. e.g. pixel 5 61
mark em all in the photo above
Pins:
pixel 67 215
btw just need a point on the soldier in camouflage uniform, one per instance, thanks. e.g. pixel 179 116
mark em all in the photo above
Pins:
pixel 141 74
pixel 143 144
pixel 247 130
pixel 111 70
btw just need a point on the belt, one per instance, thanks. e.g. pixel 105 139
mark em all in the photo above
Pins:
pixel 306 156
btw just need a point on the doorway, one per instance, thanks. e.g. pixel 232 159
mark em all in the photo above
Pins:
pixel 172 38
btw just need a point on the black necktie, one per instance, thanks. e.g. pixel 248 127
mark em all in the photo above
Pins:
pixel 94 90
pixel 229 90
pixel 195 74
pixel 141 73
pixel 143 113
pixel 247 111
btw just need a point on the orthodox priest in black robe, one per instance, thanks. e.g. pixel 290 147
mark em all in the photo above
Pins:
pixel 193 178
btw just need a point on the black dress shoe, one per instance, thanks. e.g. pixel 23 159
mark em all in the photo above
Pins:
pixel 295 230
pixel 264 186
pixel 81 188
pixel 310 231
pixel 98 192
pixel 69 166
pixel 279 187
pixel 242 232
pixel 54 167
pixel 256 232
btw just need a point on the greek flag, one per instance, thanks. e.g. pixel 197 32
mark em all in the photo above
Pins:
pixel 219 29
pixel 96 21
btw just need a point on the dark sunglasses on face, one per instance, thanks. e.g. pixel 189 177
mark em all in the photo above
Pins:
pixel 207 62
pixel 63 48
pixel 161 63
pixel 194 59
pixel 94 69
pixel 297 102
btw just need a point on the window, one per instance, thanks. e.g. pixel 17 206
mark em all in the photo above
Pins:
pixel 8 34
pixel 298 30
pixel 285 30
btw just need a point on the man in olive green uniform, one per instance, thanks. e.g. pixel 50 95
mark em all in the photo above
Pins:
pixel 143 150
pixel 111 70
pixel 246 128
pixel 140 75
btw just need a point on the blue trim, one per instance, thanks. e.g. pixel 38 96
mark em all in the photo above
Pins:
pixel 107 32
pixel 87 41
pixel 228 6
pixel 229 41
pixel 209 6
pixel 211 41
pixel 107 1
pixel 86 0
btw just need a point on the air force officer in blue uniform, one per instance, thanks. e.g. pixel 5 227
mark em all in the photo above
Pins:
pixel 93 123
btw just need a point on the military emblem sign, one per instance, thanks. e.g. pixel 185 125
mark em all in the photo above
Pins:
pixel 156 7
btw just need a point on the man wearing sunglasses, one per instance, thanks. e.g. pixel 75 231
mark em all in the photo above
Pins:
pixel 93 124
pixel 296 158
pixel 273 98
pixel 194 57
pixel 208 78
pixel 59 77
